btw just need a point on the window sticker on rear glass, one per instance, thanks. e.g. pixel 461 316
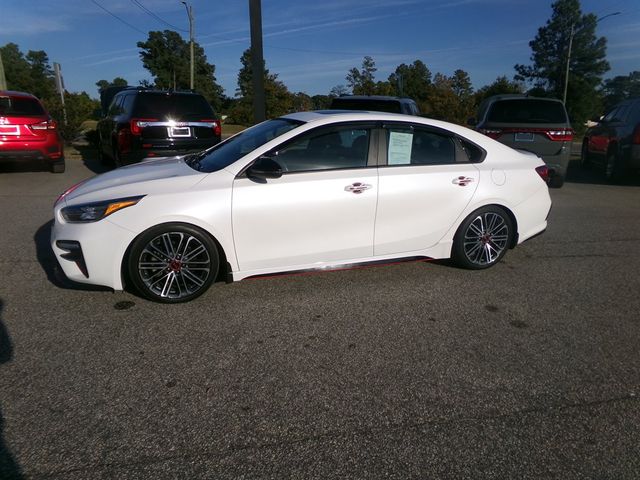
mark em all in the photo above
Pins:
pixel 400 148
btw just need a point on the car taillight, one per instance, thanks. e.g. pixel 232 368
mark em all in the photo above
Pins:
pixel 491 132
pixel 217 128
pixel 560 135
pixel 544 172
pixel 137 124
pixel 636 135
pixel 43 126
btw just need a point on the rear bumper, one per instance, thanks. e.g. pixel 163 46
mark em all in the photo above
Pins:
pixel 559 162
pixel 52 153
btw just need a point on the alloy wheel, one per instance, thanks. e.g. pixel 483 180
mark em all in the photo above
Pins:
pixel 486 238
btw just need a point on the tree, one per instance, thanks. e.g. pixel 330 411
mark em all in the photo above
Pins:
pixel 362 81
pixel 501 85
pixel 278 99
pixel 31 73
pixel 338 91
pixel 413 81
pixel 619 88
pixel 116 82
pixel 550 50
pixel 166 56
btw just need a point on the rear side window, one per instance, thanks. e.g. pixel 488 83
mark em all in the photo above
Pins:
pixel 417 146
pixel 160 104
pixel 527 111
pixel 27 107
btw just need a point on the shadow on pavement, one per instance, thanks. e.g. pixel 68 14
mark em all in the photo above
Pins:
pixel 89 155
pixel 49 264
pixel 9 469
pixel 15 166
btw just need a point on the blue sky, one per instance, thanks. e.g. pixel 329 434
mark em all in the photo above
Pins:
pixel 310 44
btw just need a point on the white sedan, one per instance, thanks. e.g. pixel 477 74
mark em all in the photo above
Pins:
pixel 308 191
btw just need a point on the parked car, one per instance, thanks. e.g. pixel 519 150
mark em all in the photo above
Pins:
pixel 614 142
pixel 142 123
pixel 27 131
pixel 538 125
pixel 307 191
pixel 375 103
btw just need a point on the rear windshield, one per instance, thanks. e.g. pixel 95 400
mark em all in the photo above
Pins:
pixel 172 104
pixel 26 107
pixel 373 105
pixel 527 111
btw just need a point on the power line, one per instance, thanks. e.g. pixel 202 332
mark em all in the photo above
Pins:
pixel 118 18
pixel 150 13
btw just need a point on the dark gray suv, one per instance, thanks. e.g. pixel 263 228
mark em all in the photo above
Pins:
pixel 538 125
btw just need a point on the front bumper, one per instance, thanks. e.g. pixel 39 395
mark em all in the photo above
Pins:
pixel 91 252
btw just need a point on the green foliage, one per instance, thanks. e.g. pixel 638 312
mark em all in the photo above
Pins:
pixel 31 73
pixel 338 91
pixel 167 57
pixel 413 81
pixel 501 85
pixel 362 81
pixel 278 99
pixel 619 88
pixel 320 102
pixel 550 50
pixel 116 82
pixel 79 107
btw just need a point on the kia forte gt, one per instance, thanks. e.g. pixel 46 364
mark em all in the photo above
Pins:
pixel 307 191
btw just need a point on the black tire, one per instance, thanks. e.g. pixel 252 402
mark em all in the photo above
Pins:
pixel 157 268
pixel 483 238
pixel 117 161
pixel 556 181
pixel 614 167
pixel 58 166
pixel 102 158
pixel 585 161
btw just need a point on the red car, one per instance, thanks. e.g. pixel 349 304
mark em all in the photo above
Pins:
pixel 27 131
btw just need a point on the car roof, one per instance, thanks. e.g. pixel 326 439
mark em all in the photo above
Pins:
pixel 519 96
pixel 13 93
pixel 375 97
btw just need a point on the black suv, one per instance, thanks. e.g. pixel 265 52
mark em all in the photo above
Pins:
pixel 376 103
pixel 614 142
pixel 538 125
pixel 142 122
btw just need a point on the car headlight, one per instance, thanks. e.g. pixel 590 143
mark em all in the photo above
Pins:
pixel 92 212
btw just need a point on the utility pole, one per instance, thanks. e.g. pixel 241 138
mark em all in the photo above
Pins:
pixel 3 80
pixel 257 61
pixel 190 14
pixel 571 35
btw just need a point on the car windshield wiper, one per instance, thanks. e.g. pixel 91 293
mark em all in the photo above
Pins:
pixel 193 160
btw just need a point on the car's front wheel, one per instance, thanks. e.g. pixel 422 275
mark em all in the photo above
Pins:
pixel 483 238
pixel 173 263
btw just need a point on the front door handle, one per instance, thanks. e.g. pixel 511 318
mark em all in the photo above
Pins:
pixel 357 187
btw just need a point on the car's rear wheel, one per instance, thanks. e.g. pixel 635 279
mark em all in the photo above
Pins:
pixel 58 166
pixel 483 238
pixel 613 167
pixel 173 263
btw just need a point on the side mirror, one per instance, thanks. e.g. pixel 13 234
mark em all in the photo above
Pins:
pixel 263 168
pixel 472 122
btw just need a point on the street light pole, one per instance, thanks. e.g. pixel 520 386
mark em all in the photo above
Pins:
pixel 190 14
pixel 571 35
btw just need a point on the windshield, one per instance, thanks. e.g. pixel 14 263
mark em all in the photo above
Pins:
pixel 226 153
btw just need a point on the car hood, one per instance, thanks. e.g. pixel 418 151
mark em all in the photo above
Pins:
pixel 165 176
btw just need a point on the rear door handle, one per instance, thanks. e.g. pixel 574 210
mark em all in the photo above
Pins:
pixel 357 187
pixel 462 181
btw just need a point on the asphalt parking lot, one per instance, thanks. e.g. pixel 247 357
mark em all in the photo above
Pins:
pixel 528 370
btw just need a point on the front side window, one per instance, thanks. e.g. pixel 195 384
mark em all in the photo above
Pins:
pixel 245 142
pixel 416 146
pixel 326 149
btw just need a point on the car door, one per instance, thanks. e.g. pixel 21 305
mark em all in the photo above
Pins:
pixel 321 210
pixel 426 184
